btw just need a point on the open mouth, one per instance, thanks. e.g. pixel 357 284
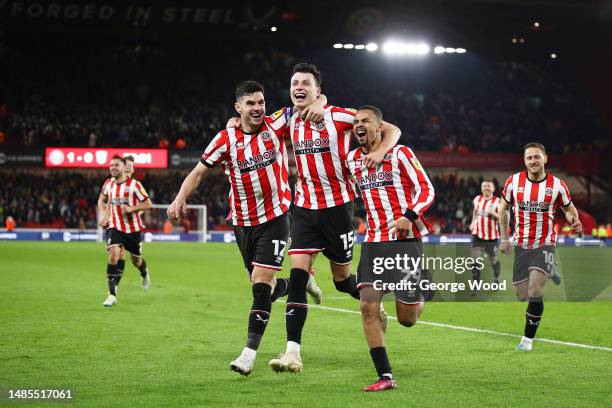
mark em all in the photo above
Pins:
pixel 361 132
pixel 300 96
pixel 256 115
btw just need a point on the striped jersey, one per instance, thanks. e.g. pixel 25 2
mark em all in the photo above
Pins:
pixel 320 154
pixel 398 184
pixel 487 227
pixel 534 205
pixel 256 167
pixel 130 192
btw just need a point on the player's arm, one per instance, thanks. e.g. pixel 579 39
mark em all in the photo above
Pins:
pixel 473 223
pixel 504 225
pixel 494 214
pixel 103 210
pixel 571 215
pixel 141 206
pixel 423 191
pixel 391 135
pixel 190 184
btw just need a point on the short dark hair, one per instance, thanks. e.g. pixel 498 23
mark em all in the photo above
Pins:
pixel 248 87
pixel 117 157
pixel 536 145
pixel 129 158
pixel 307 68
pixel 377 112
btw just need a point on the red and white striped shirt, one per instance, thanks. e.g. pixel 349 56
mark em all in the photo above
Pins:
pixel 398 184
pixel 534 206
pixel 487 227
pixel 320 153
pixel 130 192
pixel 256 166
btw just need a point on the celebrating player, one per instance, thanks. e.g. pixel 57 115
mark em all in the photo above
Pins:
pixel 396 193
pixel 321 220
pixel 534 196
pixel 124 198
pixel 254 159
pixel 484 228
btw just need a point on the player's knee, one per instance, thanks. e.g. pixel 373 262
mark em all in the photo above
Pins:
pixel 534 292
pixel 262 291
pixel 136 261
pixel 298 279
pixel 369 310
pixel 522 297
pixel 407 321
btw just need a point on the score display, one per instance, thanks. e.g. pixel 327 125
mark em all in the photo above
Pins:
pixel 93 157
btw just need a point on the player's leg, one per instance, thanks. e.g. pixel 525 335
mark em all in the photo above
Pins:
pixel 121 265
pixel 114 244
pixel 535 307
pixel 475 252
pixel 134 247
pixel 305 242
pixel 374 334
pixel 492 250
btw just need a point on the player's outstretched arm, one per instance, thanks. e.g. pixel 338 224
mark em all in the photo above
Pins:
pixel 571 214
pixel 190 184
pixel 504 224
pixel 391 135
pixel 316 110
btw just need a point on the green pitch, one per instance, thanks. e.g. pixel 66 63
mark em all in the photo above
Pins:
pixel 172 346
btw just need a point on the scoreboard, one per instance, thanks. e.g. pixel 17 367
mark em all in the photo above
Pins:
pixel 93 157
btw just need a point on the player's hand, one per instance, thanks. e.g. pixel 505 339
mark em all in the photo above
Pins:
pixel 177 209
pixel 128 209
pixel 402 228
pixel 313 112
pixel 575 224
pixel 373 159
pixel 473 228
pixel 504 246
pixel 103 223
pixel 234 122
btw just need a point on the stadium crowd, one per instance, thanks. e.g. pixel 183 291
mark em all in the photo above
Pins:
pixel 68 199
pixel 118 95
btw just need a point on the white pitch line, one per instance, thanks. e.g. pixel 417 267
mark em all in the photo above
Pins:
pixel 473 329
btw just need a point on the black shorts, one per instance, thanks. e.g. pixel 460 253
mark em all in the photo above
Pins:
pixel 540 259
pixel 131 241
pixel 264 244
pixel 378 264
pixel 329 230
pixel 490 246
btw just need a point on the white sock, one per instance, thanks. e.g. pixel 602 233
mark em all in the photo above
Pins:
pixel 249 353
pixel 293 347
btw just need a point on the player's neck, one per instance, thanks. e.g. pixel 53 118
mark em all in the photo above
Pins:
pixel 121 179
pixel 372 146
pixel 250 129
pixel 487 197
pixel 536 177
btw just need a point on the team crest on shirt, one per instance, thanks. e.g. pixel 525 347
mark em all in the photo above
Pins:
pixel 265 136
pixel 318 126
pixel 548 191
pixel 416 164
pixel 521 189
pixel 351 110
pixel 388 156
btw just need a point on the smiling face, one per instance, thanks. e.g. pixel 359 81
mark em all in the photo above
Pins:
pixel 535 159
pixel 366 128
pixel 487 189
pixel 129 168
pixel 252 109
pixel 304 89
pixel 117 168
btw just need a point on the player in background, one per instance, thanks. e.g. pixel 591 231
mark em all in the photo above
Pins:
pixel 485 228
pixel 125 198
pixel 255 161
pixel 534 196
pixel 396 194
pixel 321 219
pixel 129 172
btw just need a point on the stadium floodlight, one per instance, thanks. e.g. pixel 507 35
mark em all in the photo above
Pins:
pixel 553 56
pixel 359 47
pixel 439 50
pixel 536 24
pixel 338 45
pixel 461 50
pixel 372 46
pixel 273 29
pixel 450 50
pixel 402 48
pixel 349 46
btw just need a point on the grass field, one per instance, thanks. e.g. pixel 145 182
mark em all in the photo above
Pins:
pixel 172 346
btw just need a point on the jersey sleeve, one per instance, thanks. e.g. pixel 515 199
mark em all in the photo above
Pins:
pixel 421 185
pixel 279 122
pixel 140 192
pixel 343 117
pixel 507 192
pixel 564 198
pixel 216 150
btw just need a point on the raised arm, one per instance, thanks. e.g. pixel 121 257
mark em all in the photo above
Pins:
pixel 190 184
